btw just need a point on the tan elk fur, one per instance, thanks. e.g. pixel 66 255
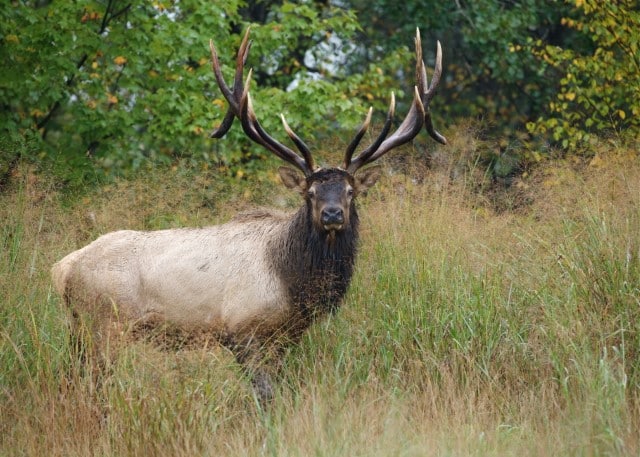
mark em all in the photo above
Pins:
pixel 215 278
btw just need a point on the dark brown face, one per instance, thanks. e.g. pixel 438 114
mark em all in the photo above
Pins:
pixel 330 193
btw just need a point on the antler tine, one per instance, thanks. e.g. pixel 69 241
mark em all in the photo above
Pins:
pixel 240 106
pixel 217 72
pixel 418 115
pixel 224 126
pixel 364 155
pixel 231 94
pixel 227 122
pixel 241 60
pixel 421 71
pixel 428 124
pixel 429 91
pixel 256 132
pixel 408 130
pixel 437 73
pixel 302 147
pixel 356 139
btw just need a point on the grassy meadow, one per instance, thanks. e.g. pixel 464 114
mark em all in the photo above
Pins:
pixel 480 322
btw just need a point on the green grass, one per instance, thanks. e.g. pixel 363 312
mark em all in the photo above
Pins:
pixel 466 331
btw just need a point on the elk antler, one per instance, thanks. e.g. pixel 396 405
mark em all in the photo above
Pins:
pixel 240 106
pixel 419 115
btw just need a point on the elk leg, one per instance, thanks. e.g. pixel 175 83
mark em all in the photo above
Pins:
pixel 254 358
pixel 90 342
pixel 77 344
pixel 262 384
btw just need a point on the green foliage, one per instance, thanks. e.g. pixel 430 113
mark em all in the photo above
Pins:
pixel 567 69
pixel 599 83
pixel 106 87
pixel 109 85
pixel 100 87
pixel 482 78
pixel 506 87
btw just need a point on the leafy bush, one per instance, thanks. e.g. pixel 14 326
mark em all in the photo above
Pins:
pixel 107 86
pixel 599 88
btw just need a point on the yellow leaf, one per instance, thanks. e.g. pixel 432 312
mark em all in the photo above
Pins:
pixel 570 96
pixel 94 65
pixel 112 99
pixel 12 39
pixel 120 60
pixel 622 114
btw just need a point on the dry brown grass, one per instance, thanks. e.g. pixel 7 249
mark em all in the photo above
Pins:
pixel 467 331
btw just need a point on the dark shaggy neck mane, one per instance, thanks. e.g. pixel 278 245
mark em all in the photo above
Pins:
pixel 316 265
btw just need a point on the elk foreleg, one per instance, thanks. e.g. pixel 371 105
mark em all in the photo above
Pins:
pixel 260 361
pixel 94 335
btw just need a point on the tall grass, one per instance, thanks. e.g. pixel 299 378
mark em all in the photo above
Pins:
pixel 466 331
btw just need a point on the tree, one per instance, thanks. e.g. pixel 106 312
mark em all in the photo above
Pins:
pixel 110 85
pixel 98 86
pixel 483 78
pixel 598 84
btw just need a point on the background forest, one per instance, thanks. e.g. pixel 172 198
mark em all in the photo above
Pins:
pixel 90 88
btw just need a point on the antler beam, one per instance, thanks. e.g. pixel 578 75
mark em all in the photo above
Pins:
pixel 240 106
pixel 419 115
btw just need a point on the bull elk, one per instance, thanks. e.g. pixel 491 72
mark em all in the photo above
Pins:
pixel 256 283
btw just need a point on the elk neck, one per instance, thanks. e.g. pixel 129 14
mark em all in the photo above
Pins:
pixel 315 264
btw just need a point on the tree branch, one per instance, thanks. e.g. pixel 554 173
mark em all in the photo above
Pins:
pixel 56 105
pixel 106 20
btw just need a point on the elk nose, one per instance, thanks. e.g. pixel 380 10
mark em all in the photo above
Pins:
pixel 332 216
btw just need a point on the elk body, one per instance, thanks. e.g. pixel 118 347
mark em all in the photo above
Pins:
pixel 257 282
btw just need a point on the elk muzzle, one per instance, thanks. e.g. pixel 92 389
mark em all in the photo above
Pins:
pixel 332 218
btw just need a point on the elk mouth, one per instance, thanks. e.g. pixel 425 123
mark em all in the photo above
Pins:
pixel 333 227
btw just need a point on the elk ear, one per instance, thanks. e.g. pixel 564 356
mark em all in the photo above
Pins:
pixel 293 179
pixel 367 178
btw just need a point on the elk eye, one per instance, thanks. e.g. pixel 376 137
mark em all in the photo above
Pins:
pixel 350 191
pixel 311 193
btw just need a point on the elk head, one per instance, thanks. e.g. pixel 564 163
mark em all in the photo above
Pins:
pixel 329 191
